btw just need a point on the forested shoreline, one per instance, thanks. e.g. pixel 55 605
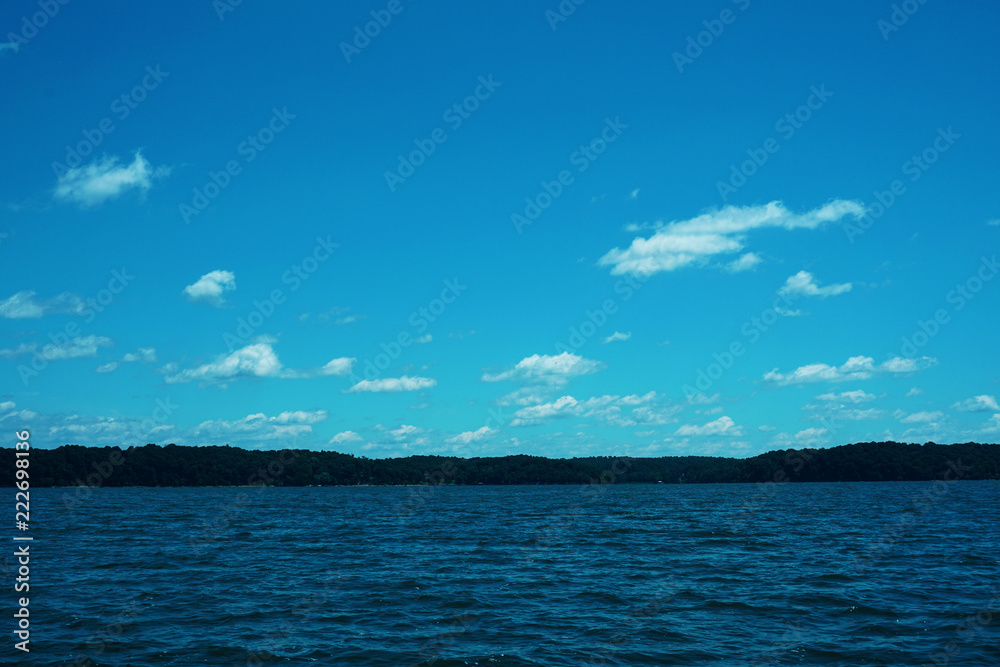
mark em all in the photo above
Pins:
pixel 174 465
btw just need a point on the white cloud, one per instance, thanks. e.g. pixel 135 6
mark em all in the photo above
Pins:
pixel 995 222
pixel 993 425
pixel 610 409
pixel 765 428
pixel 340 366
pixel 345 436
pixel 922 417
pixel 99 431
pixel 901 365
pixel 563 406
pixel 634 194
pixel 14 352
pixel 81 346
pixel 721 426
pixel 835 408
pixel 855 396
pixel 746 262
pixel 404 431
pixel 855 368
pixel 860 415
pixel 695 241
pixel 618 335
pixel 423 340
pixel 259 426
pixel 9 46
pixel 143 354
pixel 983 403
pixel 550 369
pixel 404 383
pixel 699 398
pixel 914 391
pixel 811 436
pixel 210 287
pixel 473 436
pixel 803 283
pixel 106 179
pixel 7 406
pixel 23 305
pixel 107 368
pixel 300 417
pixel 256 360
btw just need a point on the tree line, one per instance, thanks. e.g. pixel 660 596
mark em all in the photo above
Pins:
pixel 174 465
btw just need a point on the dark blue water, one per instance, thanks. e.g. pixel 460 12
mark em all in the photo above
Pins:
pixel 809 574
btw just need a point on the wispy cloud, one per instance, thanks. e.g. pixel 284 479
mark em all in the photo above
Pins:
pixel 404 383
pixel 804 283
pixel 345 436
pixel 747 262
pixel 615 410
pixel 107 179
pixel 254 360
pixel 695 241
pixel 920 417
pixel 721 426
pixel 982 403
pixel 259 426
pixel 473 436
pixel 143 354
pixel 855 396
pixel 24 305
pixel 617 336
pixel 210 288
pixel 549 369
pixel 855 368
pixel 80 346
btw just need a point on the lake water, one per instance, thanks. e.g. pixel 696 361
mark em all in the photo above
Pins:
pixel 795 574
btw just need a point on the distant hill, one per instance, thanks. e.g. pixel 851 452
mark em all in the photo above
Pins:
pixel 173 465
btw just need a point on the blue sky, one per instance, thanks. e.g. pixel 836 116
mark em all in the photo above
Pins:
pixel 480 229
